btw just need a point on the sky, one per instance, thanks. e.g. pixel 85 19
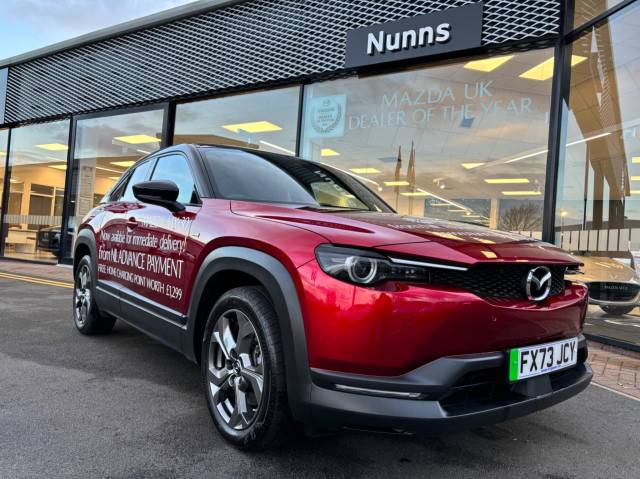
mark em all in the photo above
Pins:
pixel 26 25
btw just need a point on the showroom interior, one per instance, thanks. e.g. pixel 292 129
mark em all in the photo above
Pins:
pixel 535 132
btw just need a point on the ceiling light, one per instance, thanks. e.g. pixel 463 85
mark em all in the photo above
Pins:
pixel 589 138
pixel 541 152
pixel 11 180
pixel 446 235
pixel 124 164
pixel 635 178
pixel 58 167
pixel 635 159
pixel 114 178
pixel 524 157
pixel 470 166
pixel 575 59
pixel 107 169
pixel 137 139
pixel 522 193
pixel 252 127
pixel 53 146
pixel 487 65
pixel 440 204
pixel 365 170
pixel 457 211
pixel 635 192
pixel 415 193
pixel 544 71
pixel 397 183
pixel 506 181
pixel 279 148
pixel 328 152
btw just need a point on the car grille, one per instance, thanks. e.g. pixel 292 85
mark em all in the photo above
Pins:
pixel 612 291
pixel 497 280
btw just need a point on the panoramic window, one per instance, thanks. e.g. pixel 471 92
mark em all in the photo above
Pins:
pixel 38 162
pixel 105 148
pixel 464 141
pixel 598 200
pixel 265 120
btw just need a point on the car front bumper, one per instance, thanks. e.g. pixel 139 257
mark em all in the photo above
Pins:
pixel 624 300
pixel 446 395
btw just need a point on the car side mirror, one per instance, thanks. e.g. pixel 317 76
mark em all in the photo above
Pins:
pixel 162 193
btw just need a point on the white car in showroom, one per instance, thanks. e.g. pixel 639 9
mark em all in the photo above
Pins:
pixel 613 286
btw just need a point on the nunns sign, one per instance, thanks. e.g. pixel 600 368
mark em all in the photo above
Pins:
pixel 423 35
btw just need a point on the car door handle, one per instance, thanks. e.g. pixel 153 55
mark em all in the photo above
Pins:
pixel 132 223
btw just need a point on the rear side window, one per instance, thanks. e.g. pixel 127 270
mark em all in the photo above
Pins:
pixel 139 174
pixel 176 168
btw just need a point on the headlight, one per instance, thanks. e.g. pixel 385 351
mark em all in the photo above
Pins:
pixel 366 267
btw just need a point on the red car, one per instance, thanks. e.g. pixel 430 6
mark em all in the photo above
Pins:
pixel 306 299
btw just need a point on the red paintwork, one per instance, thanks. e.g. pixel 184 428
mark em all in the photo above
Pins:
pixel 395 328
pixel 386 330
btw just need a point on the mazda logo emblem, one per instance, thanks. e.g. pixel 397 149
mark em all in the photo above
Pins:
pixel 538 283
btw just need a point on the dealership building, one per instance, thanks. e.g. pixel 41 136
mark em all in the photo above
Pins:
pixel 520 115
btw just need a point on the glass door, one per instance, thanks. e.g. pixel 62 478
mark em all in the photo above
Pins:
pixel 37 164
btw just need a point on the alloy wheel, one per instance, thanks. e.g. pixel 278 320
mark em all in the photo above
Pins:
pixel 82 296
pixel 235 370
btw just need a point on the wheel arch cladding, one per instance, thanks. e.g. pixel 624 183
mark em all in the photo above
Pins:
pixel 264 270
pixel 85 244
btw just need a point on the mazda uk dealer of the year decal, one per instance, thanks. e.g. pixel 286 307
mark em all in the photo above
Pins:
pixel 420 36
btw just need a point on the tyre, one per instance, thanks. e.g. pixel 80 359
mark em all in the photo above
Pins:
pixel 243 370
pixel 617 310
pixel 86 314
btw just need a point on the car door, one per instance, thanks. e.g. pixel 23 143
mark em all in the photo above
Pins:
pixel 113 271
pixel 156 299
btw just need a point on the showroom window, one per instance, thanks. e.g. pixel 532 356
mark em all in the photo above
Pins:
pixel 4 143
pixel 38 162
pixel 464 141
pixel 264 120
pixel 598 201
pixel 104 148
pixel 598 198
pixel 586 10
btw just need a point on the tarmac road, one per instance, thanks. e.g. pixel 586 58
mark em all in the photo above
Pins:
pixel 124 406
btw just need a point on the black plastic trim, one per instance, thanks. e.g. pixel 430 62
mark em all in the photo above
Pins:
pixel 333 409
pixel 432 379
pixel 278 282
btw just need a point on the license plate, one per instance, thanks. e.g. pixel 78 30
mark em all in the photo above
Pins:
pixel 542 359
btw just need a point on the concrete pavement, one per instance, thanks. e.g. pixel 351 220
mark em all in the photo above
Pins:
pixel 124 406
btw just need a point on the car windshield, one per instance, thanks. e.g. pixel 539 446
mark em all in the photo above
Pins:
pixel 272 178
